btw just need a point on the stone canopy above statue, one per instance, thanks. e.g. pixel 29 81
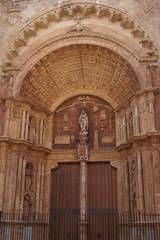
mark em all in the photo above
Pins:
pixel 67 125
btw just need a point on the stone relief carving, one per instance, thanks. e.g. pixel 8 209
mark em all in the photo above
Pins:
pixel 145 6
pixel 123 128
pixel 102 123
pixel 78 27
pixel 83 121
pixel 82 145
pixel 29 177
pixel 27 203
pixel 136 123
pixel 32 130
pixel 13 13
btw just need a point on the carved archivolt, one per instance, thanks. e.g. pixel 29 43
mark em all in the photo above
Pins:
pixel 69 11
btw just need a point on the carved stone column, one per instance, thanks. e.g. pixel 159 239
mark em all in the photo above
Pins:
pixel 148 178
pixel 22 184
pixel 23 124
pixel 144 121
pixel 10 180
pixel 27 125
pixel 125 184
pixel 41 132
pixel 19 190
pixel 152 115
pixel 83 157
pixel 7 120
pixel 140 193
pixel 44 133
pixel 42 187
pixel 156 177
pixel 83 200
pixel 3 159
pixel 49 133
pixel 136 127
pixel 38 186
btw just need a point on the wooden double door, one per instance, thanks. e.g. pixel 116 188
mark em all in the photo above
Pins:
pixel 101 194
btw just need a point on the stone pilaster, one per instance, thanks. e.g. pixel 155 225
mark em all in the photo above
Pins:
pixel 3 159
pixel 23 123
pixel 20 183
pixel 140 189
pixel 148 178
pixel 7 121
pixel 38 186
pixel 41 132
pixel 156 177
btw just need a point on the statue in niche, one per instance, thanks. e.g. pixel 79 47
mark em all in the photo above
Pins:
pixel 29 177
pixel 152 115
pixel 83 121
pixel 136 120
pixel 123 128
pixel 27 203
pixel 32 130
pixel 82 145
pixel 130 125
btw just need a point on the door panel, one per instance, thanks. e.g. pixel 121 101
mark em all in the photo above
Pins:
pixel 102 202
pixel 102 215
pixel 64 213
pixel 65 186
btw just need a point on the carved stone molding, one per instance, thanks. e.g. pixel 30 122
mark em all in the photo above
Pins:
pixel 98 11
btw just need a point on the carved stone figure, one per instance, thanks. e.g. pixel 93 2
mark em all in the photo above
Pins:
pixel 123 128
pixel 27 203
pixel 29 177
pixel 32 130
pixel 136 124
pixel 82 145
pixel 83 121
pixel 130 125
pixel 152 115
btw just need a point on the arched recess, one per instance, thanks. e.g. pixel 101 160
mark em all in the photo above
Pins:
pixel 80 69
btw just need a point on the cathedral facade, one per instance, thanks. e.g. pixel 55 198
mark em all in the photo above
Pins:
pixel 80 105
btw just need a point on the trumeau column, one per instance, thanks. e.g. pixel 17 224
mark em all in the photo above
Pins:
pixel 83 157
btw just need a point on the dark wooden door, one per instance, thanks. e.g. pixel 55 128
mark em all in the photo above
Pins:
pixel 102 202
pixel 64 209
